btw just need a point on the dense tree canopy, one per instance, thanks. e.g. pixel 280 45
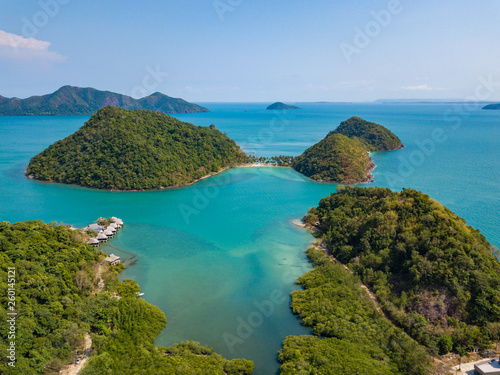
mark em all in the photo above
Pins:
pixel 351 336
pixel 434 275
pixel 342 156
pixel 134 150
pixel 335 158
pixel 56 278
pixel 281 106
pixel 374 136
pixel 280 160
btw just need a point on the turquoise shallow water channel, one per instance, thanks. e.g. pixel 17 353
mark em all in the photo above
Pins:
pixel 220 257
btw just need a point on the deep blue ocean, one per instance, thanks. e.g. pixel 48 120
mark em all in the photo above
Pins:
pixel 220 257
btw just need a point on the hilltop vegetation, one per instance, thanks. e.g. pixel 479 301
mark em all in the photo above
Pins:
pixel 159 102
pixel 281 106
pixel 335 158
pixel 280 160
pixel 134 150
pixel 350 335
pixel 434 275
pixel 374 136
pixel 71 101
pixel 56 280
pixel 342 156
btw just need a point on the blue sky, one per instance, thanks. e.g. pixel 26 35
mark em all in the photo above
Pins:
pixel 252 50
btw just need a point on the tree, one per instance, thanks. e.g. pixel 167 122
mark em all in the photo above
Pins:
pixel 128 288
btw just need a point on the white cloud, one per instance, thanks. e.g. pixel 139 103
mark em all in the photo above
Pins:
pixel 14 46
pixel 424 87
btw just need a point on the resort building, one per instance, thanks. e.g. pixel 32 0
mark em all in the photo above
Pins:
pixel 104 233
pixel 117 221
pixel 113 259
pixel 108 233
pixel 491 367
pixel 102 237
pixel 93 241
pixel 95 227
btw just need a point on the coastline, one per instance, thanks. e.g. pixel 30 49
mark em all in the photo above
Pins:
pixel 369 177
pixel 245 165
pixel 299 223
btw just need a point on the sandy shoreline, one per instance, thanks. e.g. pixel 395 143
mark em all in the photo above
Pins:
pixel 299 223
pixel 250 165
pixel 246 165
pixel 368 179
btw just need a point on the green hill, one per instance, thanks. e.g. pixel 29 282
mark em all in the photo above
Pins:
pixel 492 106
pixel 374 136
pixel 434 275
pixel 342 156
pixel 135 150
pixel 70 101
pixel 56 279
pixel 159 102
pixel 281 106
pixel 350 335
pixel 336 158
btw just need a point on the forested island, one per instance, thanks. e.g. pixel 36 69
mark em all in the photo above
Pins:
pixel 342 156
pixel 281 106
pixel 375 137
pixel 433 275
pixel 72 101
pixel 60 299
pixel 336 158
pixel 118 149
pixel 350 335
pixel 128 150
pixel 492 106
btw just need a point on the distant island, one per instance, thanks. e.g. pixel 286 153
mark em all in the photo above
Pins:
pixel 73 101
pixel 119 149
pixel 492 106
pixel 342 156
pixel 281 106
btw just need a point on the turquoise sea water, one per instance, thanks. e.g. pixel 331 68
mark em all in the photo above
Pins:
pixel 220 257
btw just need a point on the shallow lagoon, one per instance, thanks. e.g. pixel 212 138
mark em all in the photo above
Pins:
pixel 220 257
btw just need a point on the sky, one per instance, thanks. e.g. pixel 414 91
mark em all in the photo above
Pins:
pixel 253 50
